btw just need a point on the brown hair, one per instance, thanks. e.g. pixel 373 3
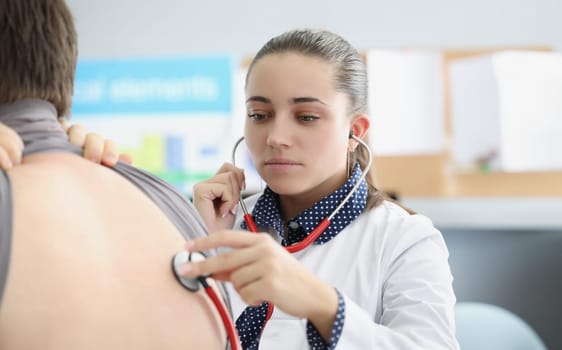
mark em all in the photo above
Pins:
pixel 350 78
pixel 38 52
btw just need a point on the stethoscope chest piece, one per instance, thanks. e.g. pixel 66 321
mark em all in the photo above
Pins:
pixel 191 283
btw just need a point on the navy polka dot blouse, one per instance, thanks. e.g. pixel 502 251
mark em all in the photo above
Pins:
pixel 267 215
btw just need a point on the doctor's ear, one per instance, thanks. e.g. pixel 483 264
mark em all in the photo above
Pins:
pixel 359 126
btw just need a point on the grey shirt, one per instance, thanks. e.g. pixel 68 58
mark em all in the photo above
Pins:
pixel 36 122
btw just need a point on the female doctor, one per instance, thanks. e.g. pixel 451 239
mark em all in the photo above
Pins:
pixel 377 277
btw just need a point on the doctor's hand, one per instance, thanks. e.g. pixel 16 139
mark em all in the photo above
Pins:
pixel 95 147
pixel 11 147
pixel 260 269
pixel 216 199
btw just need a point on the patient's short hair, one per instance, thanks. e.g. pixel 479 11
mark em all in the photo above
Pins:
pixel 38 52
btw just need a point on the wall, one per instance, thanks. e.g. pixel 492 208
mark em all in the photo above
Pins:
pixel 113 28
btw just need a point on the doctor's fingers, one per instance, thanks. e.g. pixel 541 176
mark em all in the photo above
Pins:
pixel 109 156
pixel 221 266
pixel 10 136
pixel 216 198
pixel 238 173
pixel 11 147
pixel 126 158
pixel 223 187
pixel 64 123
pixel 250 250
pixel 93 147
pixel 76 135
pixel 231 239
pixel 236 176
pixel 5 160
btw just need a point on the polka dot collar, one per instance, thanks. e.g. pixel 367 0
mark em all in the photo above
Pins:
pixel 267 215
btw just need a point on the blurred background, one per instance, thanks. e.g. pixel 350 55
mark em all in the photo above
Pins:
pixel 465 102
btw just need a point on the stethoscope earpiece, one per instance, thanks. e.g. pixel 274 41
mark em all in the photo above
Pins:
pixel 191 283
pixel 324 223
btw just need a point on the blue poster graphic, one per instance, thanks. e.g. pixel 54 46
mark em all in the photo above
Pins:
pixel 185 85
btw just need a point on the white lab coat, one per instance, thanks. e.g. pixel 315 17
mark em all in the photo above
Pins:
pixel 393 271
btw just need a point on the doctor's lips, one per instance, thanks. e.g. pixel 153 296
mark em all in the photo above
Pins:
pixel 281 163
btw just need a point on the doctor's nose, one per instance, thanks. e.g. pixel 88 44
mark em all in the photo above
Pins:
pixel 280 134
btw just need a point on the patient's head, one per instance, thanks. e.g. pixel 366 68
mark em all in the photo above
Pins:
pixel 38 51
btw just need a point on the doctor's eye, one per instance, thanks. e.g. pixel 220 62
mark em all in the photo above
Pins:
pixel 257 116
pixel 308 118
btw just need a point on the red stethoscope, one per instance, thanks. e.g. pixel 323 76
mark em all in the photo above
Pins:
pixel 192 284
pixel 322 226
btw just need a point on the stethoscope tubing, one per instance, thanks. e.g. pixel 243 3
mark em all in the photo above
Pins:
pixel 322 226
pixel 225 316
pixel 252 227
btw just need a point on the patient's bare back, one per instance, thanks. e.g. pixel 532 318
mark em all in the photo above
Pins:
pixel 90 266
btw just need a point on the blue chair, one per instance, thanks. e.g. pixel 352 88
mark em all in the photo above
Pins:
pixel 483 326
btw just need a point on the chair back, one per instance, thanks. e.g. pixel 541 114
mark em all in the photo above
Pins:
pixel 483 326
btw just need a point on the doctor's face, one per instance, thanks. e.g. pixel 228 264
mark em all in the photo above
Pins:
pixel 297 125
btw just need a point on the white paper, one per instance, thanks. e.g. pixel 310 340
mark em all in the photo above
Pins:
pixel 530 99
pixel 406 101
pixel 475 126
pixel 509 103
